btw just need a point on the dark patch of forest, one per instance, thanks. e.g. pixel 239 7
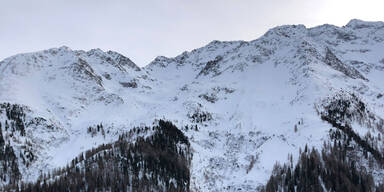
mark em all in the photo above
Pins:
pixel 341 111
pixel 328 170
pixel 158 162
pixel 14 125
pixel 200 117
pixel 345 163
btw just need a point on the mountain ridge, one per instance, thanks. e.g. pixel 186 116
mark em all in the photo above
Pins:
pixel 249 103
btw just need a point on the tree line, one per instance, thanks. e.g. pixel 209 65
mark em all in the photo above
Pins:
pixel 158 162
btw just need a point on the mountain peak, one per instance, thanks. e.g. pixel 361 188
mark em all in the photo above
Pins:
pixel 61 48
pixel 287 30
pixel 359 24
pixel 123 60
pixel 96 51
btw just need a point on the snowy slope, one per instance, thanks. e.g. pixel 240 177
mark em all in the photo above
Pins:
pixel 274 82
pixel 255 92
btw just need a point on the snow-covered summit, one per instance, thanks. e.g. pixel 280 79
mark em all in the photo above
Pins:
pixel 359 24
pixel 67 81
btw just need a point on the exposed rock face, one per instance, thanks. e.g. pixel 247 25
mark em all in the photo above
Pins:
pixel 335 63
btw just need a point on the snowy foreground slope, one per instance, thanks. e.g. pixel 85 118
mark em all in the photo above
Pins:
pixel 259 101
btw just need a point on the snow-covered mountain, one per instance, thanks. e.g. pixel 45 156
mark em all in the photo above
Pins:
pixel 253 103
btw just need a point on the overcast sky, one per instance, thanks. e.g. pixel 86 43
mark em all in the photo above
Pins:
pixel 144 29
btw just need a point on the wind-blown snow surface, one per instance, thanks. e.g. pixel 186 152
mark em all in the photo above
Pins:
pixel 256 92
